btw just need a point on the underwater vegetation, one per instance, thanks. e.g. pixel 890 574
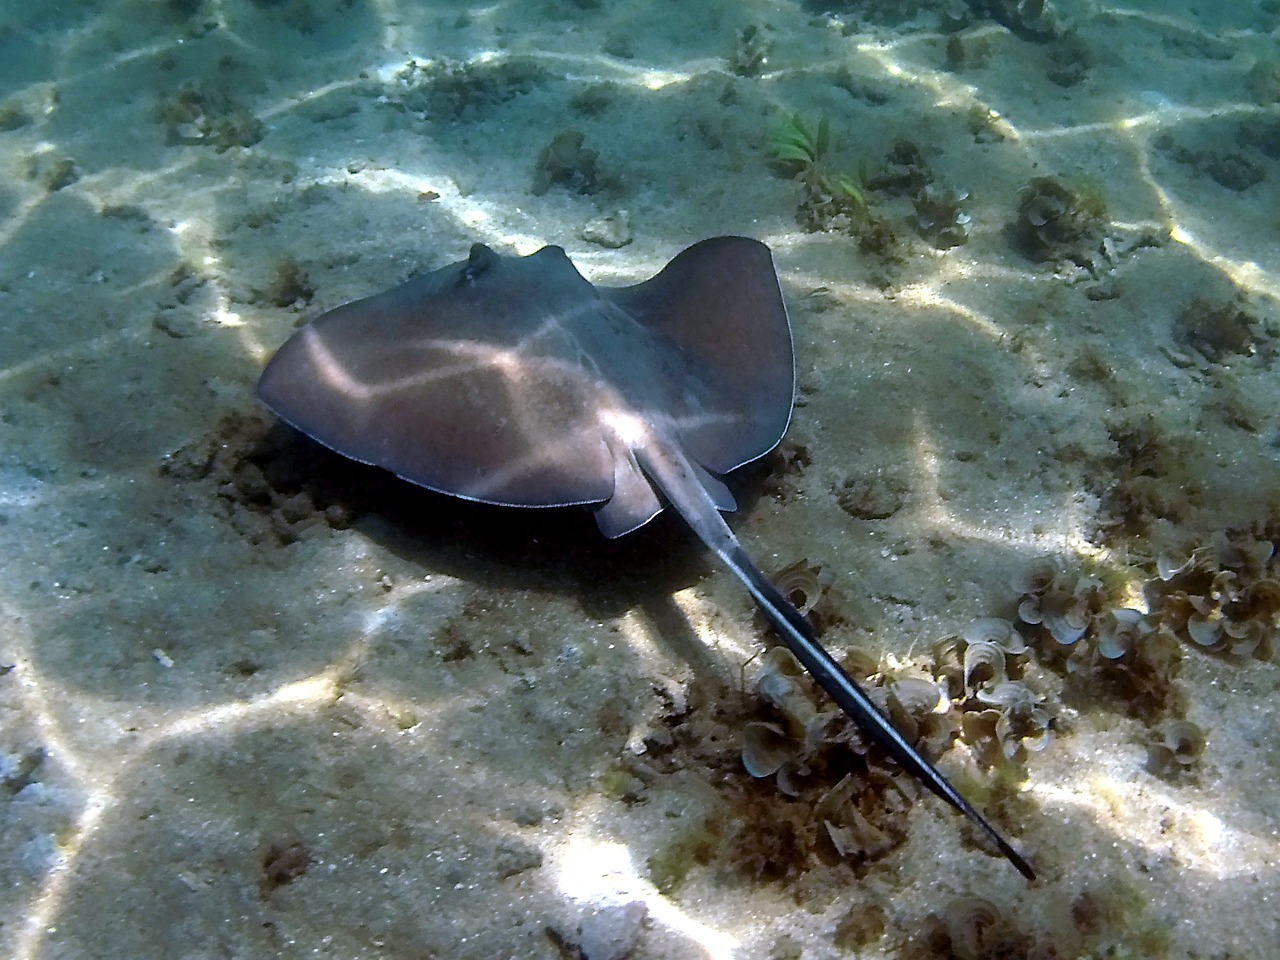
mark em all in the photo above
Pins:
pixel 1112 921
pixel 1218 329
pixel 282 863
pixel 1232 169
pixel 812 591
pixel 1036 20
pixel 968 50
pixel 1098 644
pixel 1002 719
pixel 812 750
pixel 855 803
pixel 1055 221
pixel 289 285
pixel 985 686
pixel 941 217
pixel 611 230
pixel 751 47
pixel 448 90
pixel 52 171
pixel 1263 82
pixel 567 162
pixel 195 115
pixel 1224 598
pixel 1174 749
pixel 803 153
pixel 838 201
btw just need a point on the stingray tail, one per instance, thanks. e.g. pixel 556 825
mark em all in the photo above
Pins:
pixel 799 637
pixel 685 489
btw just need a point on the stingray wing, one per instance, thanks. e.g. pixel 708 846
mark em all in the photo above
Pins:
pixel 454 381
pixel 718 303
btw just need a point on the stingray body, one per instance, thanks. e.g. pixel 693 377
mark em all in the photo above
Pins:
pixel 515 381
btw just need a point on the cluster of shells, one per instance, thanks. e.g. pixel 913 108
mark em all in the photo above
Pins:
pixel 941 217
pixel 1224 598
pixel 1003 719
pixel 1123 646
pixel 811 742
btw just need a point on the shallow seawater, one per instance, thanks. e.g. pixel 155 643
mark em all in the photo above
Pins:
pixel 256 700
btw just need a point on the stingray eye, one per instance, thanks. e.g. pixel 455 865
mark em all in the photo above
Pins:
pixel 480 260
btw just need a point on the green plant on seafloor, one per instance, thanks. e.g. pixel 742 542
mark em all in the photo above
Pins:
pixel 804 152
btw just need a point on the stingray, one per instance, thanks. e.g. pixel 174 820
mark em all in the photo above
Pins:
pixel 515 381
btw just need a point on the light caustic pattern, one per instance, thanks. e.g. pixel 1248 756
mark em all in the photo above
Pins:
pixel 102 605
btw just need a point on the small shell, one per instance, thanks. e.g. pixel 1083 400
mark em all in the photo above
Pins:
pixel 1226 587
pixel 1022 724
pixel 1086 588
pixel 1019 734
pixel 947 652
pixel 1037 576
pixel 917 697
pixel 975 926
pixel 1263 600
pixel 1202 562
pixel 790 698
pixel 858 663
pixel 1204 630
pixel 851 833
pixel 1082 659
pixel 1013 696
pixel 1029 610
pixel 780 683
pixel 1185 739
pixel 765 748
pixel 983 664
pixel 827 727
pixel 800 584
pixel 858 836
pixel 1249 639
pixel 1179 746
pixel 1067 626
pixel 837 799
pixel 1250 556
pixel 781 660
pixel 997 631
pixel 1122 632
pixel 1167 568
pixel 948 664
pixel 787 776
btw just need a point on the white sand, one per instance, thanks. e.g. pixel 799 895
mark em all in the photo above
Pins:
pixel 442 722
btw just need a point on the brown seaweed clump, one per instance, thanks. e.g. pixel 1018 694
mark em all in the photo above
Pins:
pixel 566 162
pixel 1065 606
pixel 1218 330
pixel 973 928
pixel 750 54
pixel 1055 221
pixel 192 115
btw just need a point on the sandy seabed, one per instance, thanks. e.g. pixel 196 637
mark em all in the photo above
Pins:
pixel 258 702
